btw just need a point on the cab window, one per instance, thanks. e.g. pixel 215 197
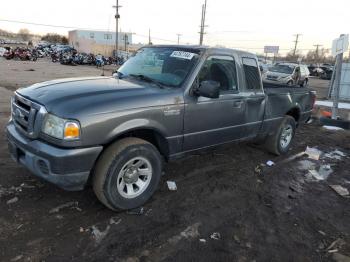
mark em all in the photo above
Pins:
pixel 251 72
pixel 221 69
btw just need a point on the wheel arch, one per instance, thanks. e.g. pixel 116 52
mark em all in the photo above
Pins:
pixel 149 134
pixel 146 129
pixel 294 112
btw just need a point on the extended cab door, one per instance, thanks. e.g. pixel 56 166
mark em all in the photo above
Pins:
pixel 213 121
pixel 302 73
pixel 255 97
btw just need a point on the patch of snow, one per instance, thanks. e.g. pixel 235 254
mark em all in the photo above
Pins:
pixel 333 128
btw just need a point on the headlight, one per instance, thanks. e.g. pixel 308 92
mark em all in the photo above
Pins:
pixel 61 128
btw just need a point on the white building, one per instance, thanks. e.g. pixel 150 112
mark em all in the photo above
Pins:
pixel 98 42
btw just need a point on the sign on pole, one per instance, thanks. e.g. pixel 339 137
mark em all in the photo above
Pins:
pixel 340 45
pixel 271 49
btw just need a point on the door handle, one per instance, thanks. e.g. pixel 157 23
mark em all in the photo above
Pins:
pixel 237 104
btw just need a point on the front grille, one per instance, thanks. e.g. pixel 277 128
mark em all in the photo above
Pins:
pixel 271 77
pixel 26 115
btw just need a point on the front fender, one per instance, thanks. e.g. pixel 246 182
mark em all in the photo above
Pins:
pixel 136 124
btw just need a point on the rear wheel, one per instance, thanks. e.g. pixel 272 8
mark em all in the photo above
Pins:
pixel 127 173
pixel 280 142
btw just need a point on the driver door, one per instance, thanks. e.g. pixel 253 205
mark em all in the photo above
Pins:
pixel 210 121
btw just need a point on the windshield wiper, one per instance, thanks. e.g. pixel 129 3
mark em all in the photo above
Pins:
pixel 147 79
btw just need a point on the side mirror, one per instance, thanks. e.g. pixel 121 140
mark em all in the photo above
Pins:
pixel 210 89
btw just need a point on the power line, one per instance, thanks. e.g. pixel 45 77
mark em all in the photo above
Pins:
pixel 49 25
pixel 156 38
pixel 77 28
pixel 145 36
pixel 232 31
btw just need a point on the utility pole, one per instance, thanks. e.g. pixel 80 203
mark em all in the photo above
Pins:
pixel 126 40
pixel 149 36
pixel 202 26
pixel 296 43
pixel 117 16
pixel 336 87
pixel 316 52
pixel 178 38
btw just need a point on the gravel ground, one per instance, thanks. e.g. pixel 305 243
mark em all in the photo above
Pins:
pixel 228 207
pixel 15 74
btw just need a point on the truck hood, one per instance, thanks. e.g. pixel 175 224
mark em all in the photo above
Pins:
pixel 66 96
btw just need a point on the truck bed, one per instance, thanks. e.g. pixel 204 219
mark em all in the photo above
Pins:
pixel 284 89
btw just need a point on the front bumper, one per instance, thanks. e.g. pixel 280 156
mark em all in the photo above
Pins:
pixel 279 81
pixel 66 168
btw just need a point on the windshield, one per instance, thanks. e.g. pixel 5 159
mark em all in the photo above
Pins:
pixel 286 69
pixel 165 65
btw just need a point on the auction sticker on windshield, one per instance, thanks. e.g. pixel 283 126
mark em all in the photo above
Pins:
pixel 182 54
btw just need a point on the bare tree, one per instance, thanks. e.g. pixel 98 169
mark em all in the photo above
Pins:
pixel 293 57
pixel 64 40
pixel 322 56
pixel 55 38
pixel 24 34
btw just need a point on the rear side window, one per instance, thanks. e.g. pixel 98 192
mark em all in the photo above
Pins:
pixel 252 74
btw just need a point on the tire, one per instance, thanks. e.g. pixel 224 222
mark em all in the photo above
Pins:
pixel 290 83
pixel 121 163
pixel 304 83
pixel 279 143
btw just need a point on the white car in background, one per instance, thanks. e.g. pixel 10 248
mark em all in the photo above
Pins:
pixel 2 51
pixel 288 74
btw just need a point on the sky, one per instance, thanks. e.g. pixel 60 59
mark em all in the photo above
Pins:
pixel 243 24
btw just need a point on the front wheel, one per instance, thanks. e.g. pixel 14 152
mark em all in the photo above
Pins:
pixel 304 83
pixel 279 143
pixel 127 173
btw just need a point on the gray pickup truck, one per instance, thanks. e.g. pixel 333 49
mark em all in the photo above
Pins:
pixel 164 102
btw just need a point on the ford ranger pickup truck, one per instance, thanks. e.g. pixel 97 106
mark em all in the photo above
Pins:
pixel 164 102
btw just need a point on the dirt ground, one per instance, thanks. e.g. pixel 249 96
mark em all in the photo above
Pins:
pixel 227 206
pixel 15 74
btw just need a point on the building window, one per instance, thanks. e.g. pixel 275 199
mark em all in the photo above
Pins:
pixel 92 35
pixel 107 36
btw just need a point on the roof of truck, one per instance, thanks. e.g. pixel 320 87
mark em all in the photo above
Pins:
pixel 203 47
